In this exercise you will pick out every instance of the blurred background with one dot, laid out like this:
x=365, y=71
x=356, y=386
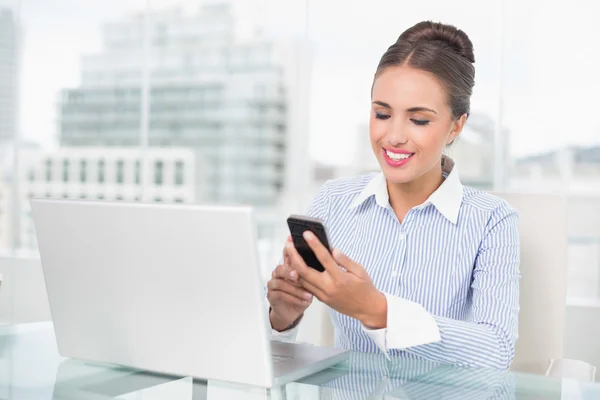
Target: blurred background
x=259, y=102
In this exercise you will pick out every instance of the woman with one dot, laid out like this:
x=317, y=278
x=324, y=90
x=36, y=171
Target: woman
x=430, y=268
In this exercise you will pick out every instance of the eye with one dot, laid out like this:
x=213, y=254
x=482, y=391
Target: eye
x=420, y=122
x=381, y=116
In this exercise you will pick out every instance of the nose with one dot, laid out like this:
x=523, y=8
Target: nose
x=397, y=135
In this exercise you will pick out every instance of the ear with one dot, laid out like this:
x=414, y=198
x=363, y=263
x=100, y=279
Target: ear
x=457, y=127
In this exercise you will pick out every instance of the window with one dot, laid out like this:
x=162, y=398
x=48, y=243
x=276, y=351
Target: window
x=138, y=172
x=158, y=173
x=101, y=165
x=120, y=173
x=48, y=170
x=83, y=171
x=65, y=170
x=179, y=173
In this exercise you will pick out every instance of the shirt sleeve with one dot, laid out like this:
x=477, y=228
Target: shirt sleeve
x=487, y=337
x=408, y=325
x=319, y=208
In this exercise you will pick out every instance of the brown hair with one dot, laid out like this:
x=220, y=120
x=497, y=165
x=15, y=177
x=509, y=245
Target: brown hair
x=444, y=51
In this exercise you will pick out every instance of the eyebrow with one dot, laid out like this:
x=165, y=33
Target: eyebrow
x=413, y=109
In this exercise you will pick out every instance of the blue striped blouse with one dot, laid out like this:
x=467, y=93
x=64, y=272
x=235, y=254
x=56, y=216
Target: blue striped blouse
x=457, y=255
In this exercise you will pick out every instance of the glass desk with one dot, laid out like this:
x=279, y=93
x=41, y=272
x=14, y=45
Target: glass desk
x=31, y=368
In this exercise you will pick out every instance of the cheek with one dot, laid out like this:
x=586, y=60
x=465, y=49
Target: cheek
x=376, y=129
x=429, y=137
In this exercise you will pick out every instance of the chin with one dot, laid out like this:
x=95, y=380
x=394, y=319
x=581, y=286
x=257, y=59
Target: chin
x=397, y=176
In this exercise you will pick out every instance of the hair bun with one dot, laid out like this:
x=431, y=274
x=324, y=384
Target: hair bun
x=428, y=31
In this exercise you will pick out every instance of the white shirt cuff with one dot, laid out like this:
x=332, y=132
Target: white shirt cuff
x=408, y=325
x=285, y=336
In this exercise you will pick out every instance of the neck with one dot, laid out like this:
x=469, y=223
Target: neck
x=404, y=196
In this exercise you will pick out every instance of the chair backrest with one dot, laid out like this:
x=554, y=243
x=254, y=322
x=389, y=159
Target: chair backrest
x=543, y=287
x=572, y=369
x=543, y=229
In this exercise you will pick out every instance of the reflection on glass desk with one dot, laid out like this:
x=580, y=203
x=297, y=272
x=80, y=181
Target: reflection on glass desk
x=31, y=368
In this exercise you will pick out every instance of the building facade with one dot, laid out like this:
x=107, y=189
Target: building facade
x=232, y=101
x=96, y=173
x=9, y=74
x=5, y=221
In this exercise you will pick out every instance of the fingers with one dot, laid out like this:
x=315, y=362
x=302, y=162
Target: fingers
x=318, y=293
x=286, y=287
x=285, y=271
x=286, y=259
x=308, y=274
x=284, y=297
x=322, y=253
x=343, y=260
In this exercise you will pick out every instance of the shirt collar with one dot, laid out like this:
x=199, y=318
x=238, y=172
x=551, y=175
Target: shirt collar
x=446, y=199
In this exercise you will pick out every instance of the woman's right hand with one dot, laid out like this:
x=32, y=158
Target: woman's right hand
x=287, y=298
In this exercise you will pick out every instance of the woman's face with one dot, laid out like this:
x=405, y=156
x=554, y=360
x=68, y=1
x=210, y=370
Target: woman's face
x=411, y=123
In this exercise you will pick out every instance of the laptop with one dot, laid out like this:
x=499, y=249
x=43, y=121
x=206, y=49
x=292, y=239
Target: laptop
x=172, y=289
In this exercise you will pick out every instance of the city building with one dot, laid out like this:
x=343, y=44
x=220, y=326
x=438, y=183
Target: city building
x=574, y=173
x=473, y=152
x=9, y=74
x=571, y=170
x=97, y=173
x=242, y=104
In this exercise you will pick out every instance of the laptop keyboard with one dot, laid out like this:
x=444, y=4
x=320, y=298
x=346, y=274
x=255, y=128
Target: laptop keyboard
x=277, y=359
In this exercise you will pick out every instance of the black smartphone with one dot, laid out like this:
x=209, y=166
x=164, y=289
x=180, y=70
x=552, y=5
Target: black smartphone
x=298, y=224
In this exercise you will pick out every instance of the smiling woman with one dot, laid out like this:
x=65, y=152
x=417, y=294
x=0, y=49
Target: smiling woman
x=430, y=267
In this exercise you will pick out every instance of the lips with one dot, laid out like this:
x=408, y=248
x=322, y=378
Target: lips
x=397, y=158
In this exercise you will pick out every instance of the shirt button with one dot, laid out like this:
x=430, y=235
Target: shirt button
x=402, y=235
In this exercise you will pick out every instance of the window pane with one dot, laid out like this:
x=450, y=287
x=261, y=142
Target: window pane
x=545, y=155
x=120, y=171
x=158, y=173
x=83, y=171
x=48, y=170
x=138, y=172
x=101, y=166
x=65, y=170
x=179, y=171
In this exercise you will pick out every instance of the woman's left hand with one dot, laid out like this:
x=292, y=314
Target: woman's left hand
x=350, y=292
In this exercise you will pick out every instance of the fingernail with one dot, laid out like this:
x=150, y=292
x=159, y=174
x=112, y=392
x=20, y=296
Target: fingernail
x=335, y=253
x=293, y=274
x=308, y=235
x=288, y=245
x=307, y=295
